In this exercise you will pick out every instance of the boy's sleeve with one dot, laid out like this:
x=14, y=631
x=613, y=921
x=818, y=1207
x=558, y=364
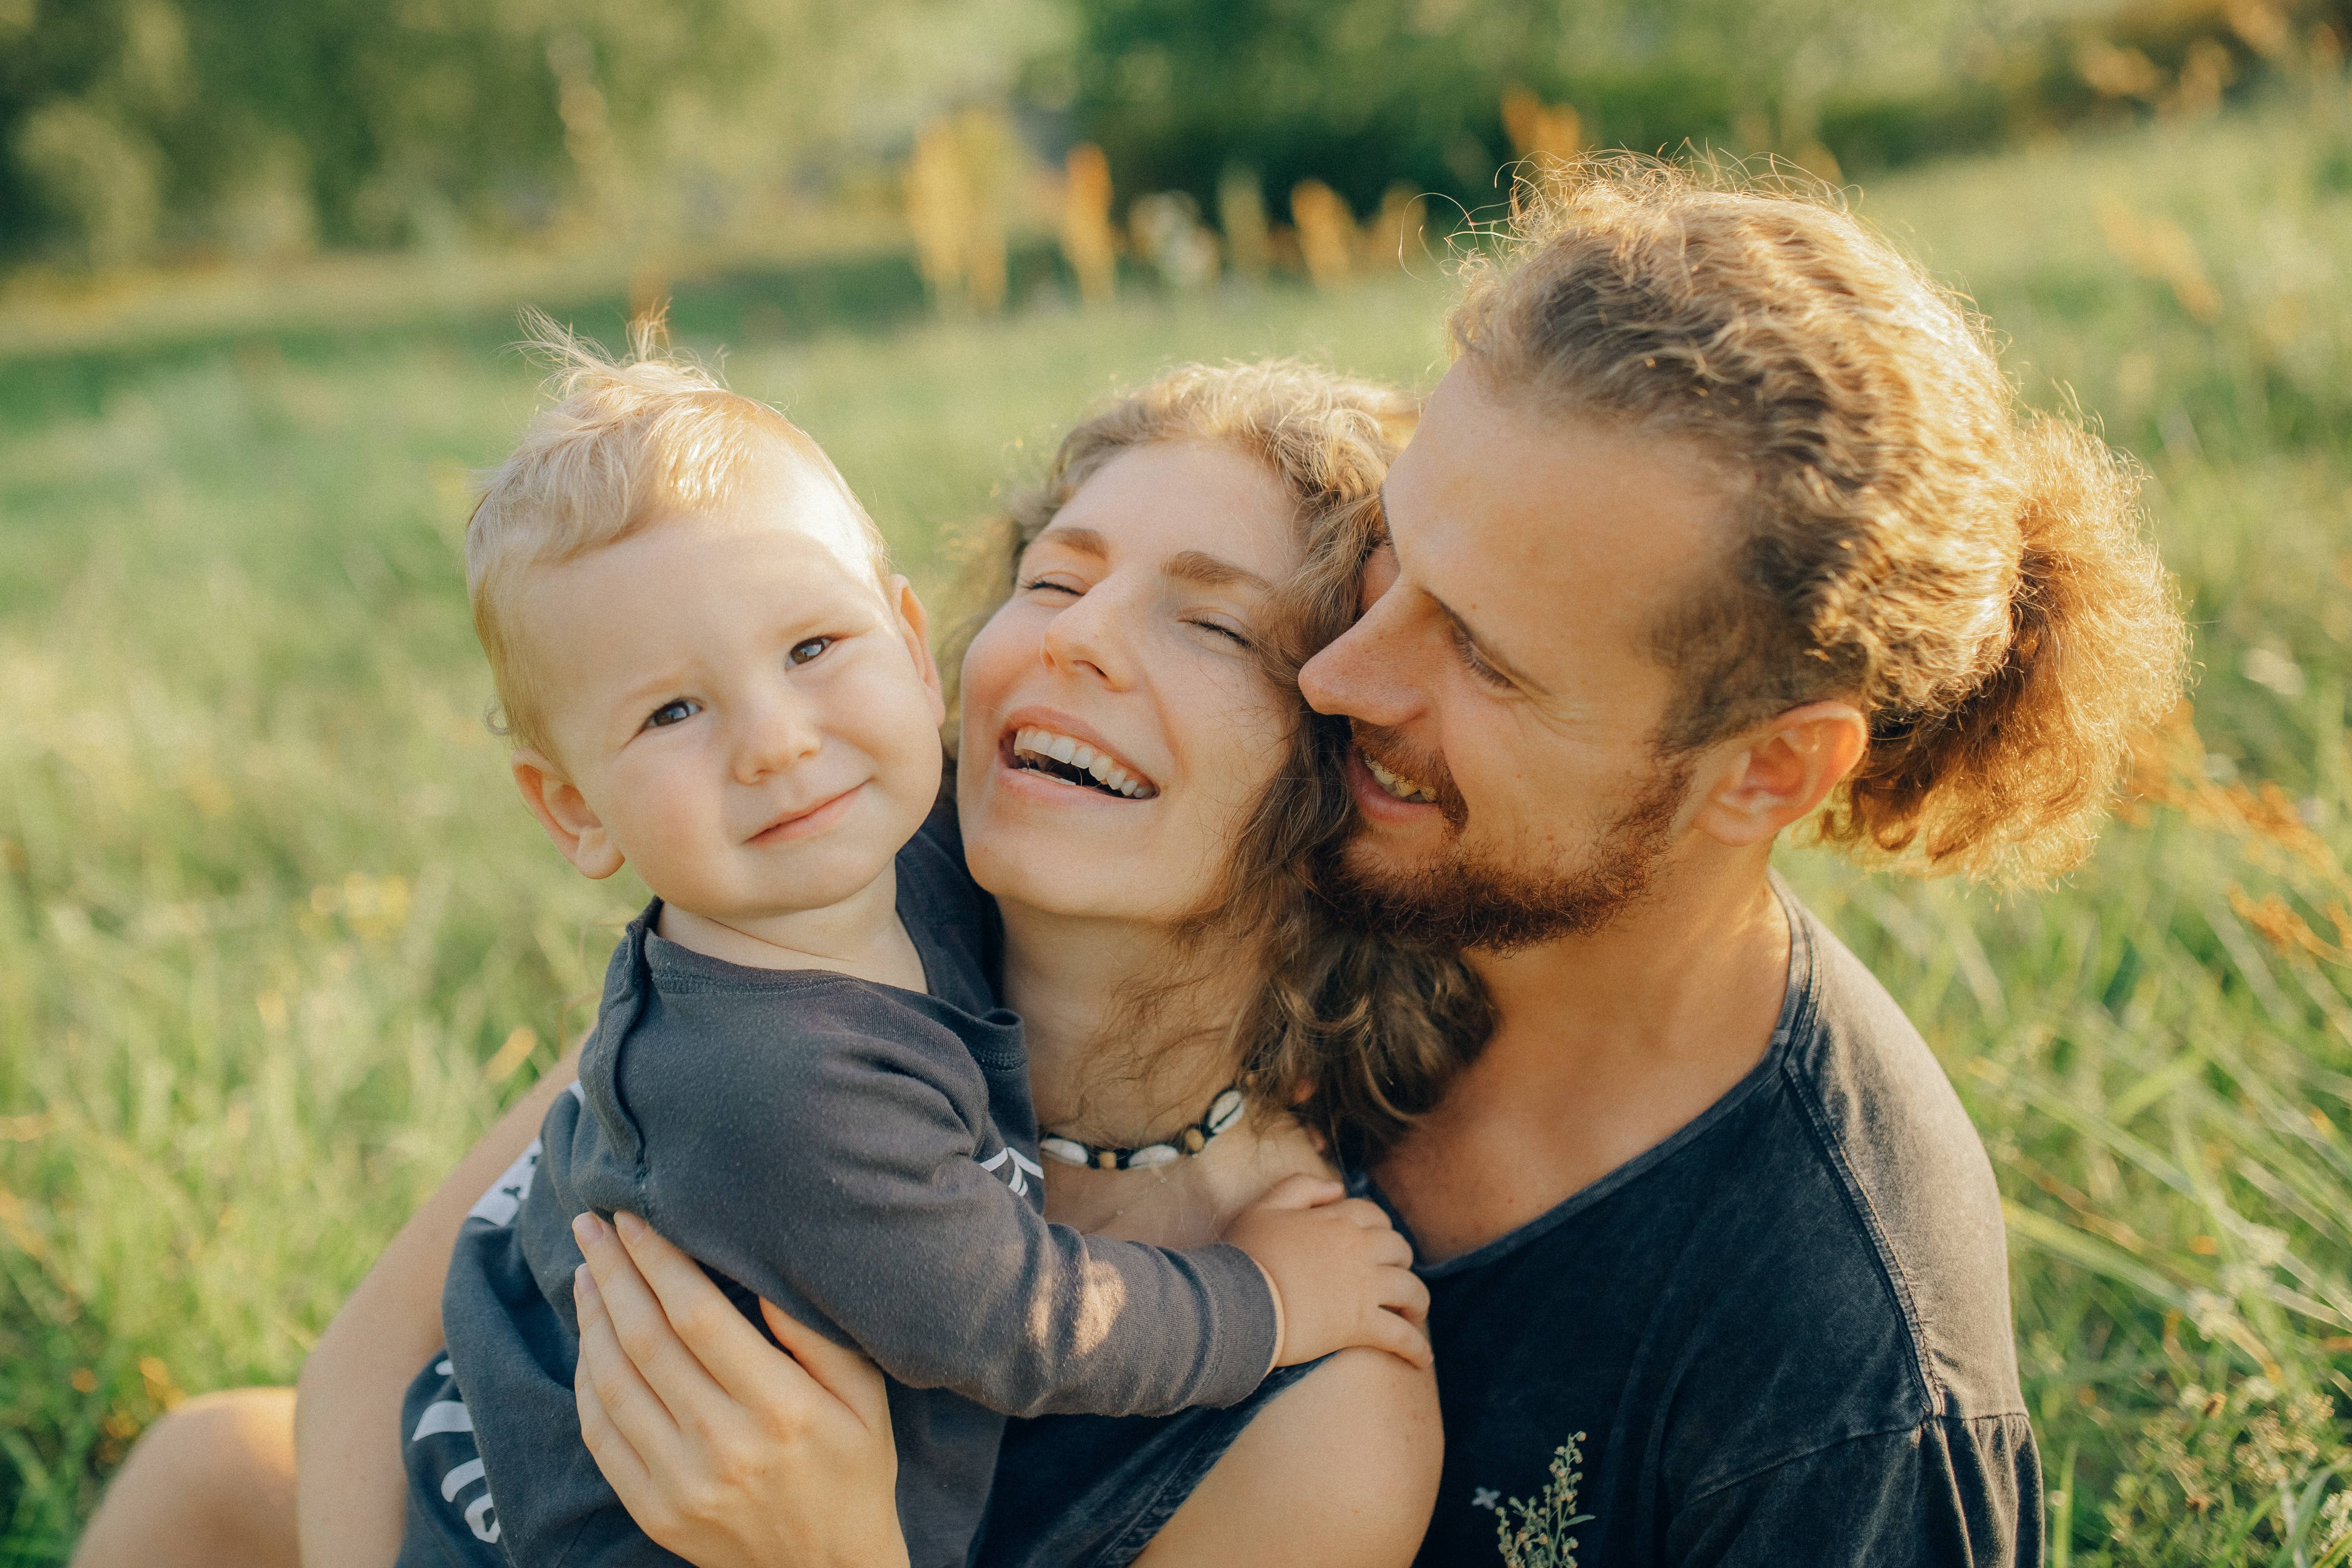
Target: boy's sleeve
x=839, y=1174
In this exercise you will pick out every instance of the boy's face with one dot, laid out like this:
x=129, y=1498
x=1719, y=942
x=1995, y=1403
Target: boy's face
x=736, y=707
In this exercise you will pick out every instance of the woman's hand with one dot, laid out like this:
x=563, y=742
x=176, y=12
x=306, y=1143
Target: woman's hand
x=725, y=1451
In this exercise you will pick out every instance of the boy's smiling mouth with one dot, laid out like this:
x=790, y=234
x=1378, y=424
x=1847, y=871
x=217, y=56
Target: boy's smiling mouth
x=1034, y=748
x=802, y=823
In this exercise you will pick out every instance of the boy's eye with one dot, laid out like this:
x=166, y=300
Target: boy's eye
x=805, y=651
x=675, y=711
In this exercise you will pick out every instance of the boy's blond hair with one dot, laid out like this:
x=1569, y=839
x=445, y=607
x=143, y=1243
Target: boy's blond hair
x=625, y=442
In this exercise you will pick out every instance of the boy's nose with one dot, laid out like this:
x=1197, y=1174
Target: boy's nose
x=773, y=737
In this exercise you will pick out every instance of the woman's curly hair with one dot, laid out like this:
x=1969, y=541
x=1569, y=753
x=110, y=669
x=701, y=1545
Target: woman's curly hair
x=1971, y=575
x=1354, y=1035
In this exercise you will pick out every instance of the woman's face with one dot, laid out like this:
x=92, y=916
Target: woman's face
x=1124, y=659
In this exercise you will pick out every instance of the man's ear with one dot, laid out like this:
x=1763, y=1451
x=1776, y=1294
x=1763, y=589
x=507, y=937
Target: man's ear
x=915, y=628
x=1779, y=773
x=571, y=821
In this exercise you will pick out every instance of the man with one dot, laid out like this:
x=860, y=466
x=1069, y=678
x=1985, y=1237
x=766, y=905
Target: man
x=1723, y=517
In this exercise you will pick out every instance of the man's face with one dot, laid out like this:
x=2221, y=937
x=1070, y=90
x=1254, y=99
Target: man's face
x=1503, y=699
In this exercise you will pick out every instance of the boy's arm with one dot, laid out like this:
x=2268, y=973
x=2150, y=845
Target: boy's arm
x=350, y=1492
x=845, y=1187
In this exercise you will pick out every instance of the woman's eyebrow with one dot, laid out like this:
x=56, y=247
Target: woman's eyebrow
x=1085, y=540
x=1207, y=571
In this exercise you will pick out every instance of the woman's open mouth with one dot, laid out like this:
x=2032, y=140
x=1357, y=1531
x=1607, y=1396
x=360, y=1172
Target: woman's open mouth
x=1075, y=763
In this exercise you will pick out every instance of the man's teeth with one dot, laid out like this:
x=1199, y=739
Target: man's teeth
x=1078, y=754
x=1398, y=784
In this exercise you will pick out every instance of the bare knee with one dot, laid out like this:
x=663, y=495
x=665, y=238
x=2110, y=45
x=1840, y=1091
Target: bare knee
x=212, y=1483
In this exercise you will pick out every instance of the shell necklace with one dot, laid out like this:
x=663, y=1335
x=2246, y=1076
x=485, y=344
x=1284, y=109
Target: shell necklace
x=1223, y=1113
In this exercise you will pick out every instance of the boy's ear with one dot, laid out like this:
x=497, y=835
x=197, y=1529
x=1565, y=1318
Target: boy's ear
x=1779, y=773
x=571, y=823
x=915, y=627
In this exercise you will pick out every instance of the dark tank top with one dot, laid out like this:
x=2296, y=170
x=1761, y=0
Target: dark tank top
x=1090, y=1491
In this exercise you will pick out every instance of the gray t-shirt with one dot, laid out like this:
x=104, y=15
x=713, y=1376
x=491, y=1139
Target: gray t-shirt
x=861, y=1155
x=1780, y=1336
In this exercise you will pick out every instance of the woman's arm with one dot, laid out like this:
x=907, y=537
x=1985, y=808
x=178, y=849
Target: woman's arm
x=732, y=1456
x=1340, y=1469
x=349, y=1497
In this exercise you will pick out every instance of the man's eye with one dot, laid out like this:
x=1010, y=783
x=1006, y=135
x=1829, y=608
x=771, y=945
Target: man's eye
x=805, y=651
x=1479, y=668
x=675, y=711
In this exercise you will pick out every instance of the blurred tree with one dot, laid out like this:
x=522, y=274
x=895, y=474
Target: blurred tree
x=130, y=126
x=1360, y=93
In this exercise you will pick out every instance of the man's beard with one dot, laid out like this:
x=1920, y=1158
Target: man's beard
x=1462, y=900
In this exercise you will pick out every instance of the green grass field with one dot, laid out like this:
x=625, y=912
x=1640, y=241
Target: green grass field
x=277, y=941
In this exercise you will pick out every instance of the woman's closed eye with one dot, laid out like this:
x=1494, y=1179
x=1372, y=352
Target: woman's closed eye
x=1238, y=637
x=676, y=711
x=1052, y=585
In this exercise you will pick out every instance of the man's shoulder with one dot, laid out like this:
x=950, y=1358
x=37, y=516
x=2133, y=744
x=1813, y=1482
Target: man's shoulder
x=1896, y=1138
x=1811, y=1273
x=1830, y=1231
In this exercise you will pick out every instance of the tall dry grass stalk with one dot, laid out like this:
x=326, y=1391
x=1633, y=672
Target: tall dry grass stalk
x=1541, y=133
x=961, y=182
x=1240, y=214
x=1089, y=242
x=1326, y=233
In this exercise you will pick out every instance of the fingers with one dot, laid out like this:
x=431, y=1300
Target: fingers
x=1403, y=1293
x=624, y=1468
x=845, y=1374
x=1392, y=1333
x=1303, y=1192
x=701, y=1322
x=609, y=1392
x=641, y=1325
x=1389, y=1248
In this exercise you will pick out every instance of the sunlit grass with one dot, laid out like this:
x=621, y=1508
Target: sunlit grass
x=275, y=941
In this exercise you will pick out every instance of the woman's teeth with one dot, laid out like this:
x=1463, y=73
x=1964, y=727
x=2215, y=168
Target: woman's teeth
x=1398, y=784
x=1035, y=749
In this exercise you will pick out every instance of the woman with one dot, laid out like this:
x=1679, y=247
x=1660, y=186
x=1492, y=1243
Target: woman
x=1191, y=545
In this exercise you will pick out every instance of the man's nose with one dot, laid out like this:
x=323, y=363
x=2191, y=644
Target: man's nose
x=1365, y=672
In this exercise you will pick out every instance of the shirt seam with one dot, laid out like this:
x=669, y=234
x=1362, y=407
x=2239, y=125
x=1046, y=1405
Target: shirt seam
x=1865, y=1213
x=1933, y=1418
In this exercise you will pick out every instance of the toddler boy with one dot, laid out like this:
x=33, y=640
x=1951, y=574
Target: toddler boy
x=799, y=1072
